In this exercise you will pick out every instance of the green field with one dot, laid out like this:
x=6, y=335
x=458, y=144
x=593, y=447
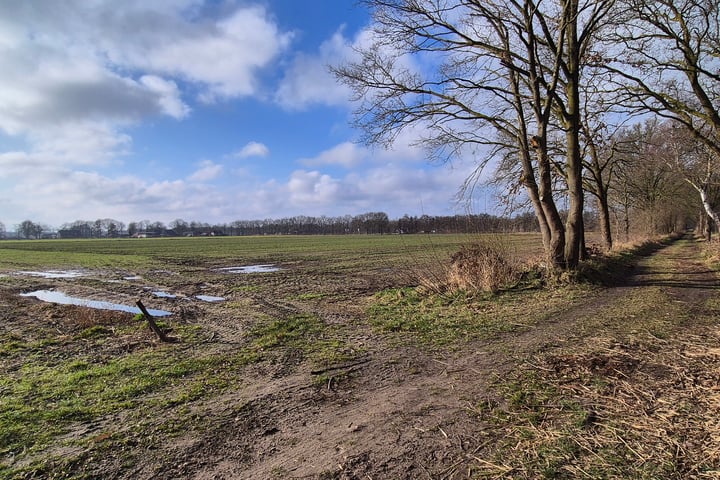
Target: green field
x=355, y=250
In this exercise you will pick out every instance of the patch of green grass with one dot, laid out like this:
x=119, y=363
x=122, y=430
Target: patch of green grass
x=10, y=344
x=247, y=288
x=537, y=422
x=304, y=334
x=328, y=379
x=293, y=331
x=39, y=402
x=194, y=389
x=432, y=318
x=333, y=252
x=95, y=331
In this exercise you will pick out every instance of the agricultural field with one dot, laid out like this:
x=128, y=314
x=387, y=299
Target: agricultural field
x=343, y=357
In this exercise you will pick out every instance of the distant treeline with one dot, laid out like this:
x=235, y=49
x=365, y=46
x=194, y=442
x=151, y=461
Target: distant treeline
x=366, y=223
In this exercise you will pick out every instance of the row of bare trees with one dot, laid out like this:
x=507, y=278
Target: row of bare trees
x=370, y=223
x=540, y=91
x=100, y=228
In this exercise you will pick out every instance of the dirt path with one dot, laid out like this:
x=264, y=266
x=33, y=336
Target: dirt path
x=410, y=414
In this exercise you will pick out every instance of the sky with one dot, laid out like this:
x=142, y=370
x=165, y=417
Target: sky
x=208, y=111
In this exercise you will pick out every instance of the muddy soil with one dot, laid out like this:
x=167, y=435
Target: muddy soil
x=396, y=409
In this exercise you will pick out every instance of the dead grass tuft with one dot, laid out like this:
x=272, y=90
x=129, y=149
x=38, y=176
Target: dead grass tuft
x=486, y=266
x=712, y=253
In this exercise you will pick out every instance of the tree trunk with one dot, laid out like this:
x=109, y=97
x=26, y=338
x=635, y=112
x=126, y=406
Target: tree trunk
x=574, y=227
x=707, y=207
x=555, y=247
x=605, y=227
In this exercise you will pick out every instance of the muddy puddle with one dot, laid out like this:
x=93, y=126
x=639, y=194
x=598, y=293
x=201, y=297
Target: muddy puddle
x=52, y=273
x=210, y=298
x=52, y=296
x=162, y=294
x=251, y=269
x=204, y=298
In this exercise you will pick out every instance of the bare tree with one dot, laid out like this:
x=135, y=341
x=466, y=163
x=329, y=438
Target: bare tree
x=670, y=67
x=647, y=184
x=694, y=162
x=180, y=226
x=501, y=72
x=29, y=229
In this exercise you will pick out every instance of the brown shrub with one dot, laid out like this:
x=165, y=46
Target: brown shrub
x=485, y=267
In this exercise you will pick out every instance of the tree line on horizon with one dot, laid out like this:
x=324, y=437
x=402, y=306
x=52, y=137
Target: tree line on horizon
x=370, y=223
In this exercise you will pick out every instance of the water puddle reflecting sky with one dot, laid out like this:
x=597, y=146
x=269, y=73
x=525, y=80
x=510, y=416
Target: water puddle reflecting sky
x=53, y=274
x=210, y=298
x=250, y=269
x=161, y=294
x=53, y=296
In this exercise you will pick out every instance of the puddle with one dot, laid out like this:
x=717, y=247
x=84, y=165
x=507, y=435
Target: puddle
x=251, y=269
x=161, y=294
x=53, y=274
x=133, y=277
x=163, y=272
x=204, y=298
x=210, y=298
x=59, y=297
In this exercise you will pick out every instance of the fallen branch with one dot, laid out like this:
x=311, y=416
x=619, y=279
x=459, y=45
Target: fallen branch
x=153, y=326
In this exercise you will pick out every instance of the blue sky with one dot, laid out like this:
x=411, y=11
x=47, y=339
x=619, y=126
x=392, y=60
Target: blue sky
x=202, y=110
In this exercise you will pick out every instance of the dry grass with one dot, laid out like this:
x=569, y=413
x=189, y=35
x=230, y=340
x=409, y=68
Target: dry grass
x=484, y=266
x=86, y=317
x=712, y=251
x=644, y=409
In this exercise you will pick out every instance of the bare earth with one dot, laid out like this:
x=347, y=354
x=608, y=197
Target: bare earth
x=641, y=359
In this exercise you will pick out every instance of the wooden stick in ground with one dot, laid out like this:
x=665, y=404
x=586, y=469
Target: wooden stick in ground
x=151, y=321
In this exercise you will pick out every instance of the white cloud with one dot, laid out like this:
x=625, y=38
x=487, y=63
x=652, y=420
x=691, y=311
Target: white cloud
x=312, y=188
x=169, y=95
x=391, y=188
x=309, y=81
x=223, y=56
x=78, y=78
x=346, y=154
x=55, y=196
x=253, y=149
x=68, y=66
x=208, y=171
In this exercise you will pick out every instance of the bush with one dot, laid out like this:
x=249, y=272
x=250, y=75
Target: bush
x=485, y=267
